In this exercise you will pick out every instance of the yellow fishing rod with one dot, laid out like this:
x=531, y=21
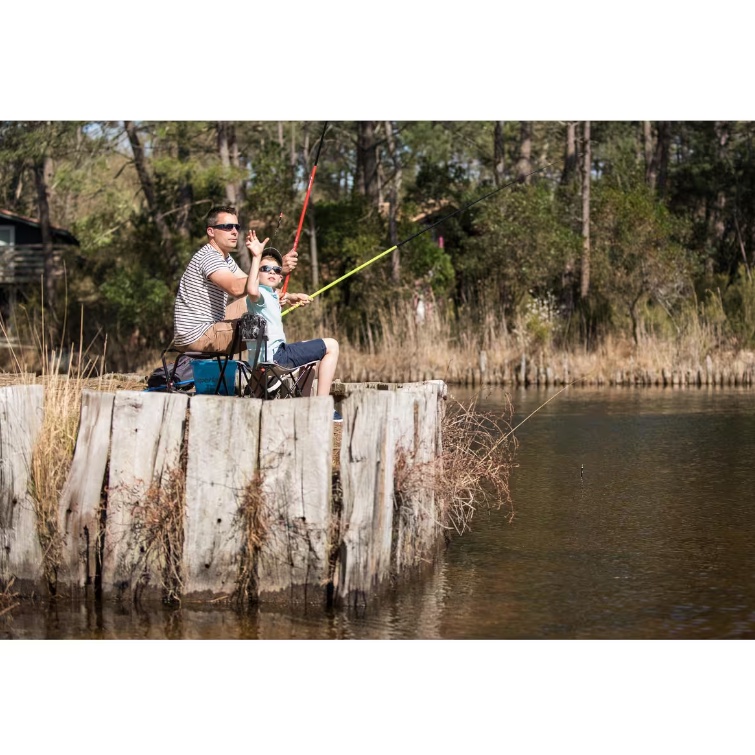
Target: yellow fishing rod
x=414, y=236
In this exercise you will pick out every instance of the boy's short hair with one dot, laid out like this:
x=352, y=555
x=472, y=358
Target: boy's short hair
x=274, y=253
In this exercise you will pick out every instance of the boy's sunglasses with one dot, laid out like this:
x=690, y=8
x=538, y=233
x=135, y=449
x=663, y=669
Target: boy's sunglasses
x=271, y=269
x=227, y=227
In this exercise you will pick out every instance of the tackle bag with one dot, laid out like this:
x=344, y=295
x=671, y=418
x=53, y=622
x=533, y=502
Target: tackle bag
x=183, y=380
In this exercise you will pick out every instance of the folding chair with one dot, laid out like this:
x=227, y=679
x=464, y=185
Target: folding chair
x=236, y=346
x=268, y=380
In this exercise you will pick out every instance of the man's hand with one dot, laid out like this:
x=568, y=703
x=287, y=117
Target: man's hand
x=254, y=245
x=290, y=260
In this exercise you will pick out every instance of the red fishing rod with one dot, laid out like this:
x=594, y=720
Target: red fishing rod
x=306, y=202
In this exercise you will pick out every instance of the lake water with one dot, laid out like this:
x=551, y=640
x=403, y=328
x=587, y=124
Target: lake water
x=634, y=519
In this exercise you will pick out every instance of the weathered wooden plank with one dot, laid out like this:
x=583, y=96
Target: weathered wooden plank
x=415, y=528
x=21, y=414
x=366, y=465
x=221, y=466
x=146, y=440
x=296, y=447
x=340, y=391
x=80, y=500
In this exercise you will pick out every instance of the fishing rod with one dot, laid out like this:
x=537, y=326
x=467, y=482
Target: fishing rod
x=419, y=233
x=306, y=202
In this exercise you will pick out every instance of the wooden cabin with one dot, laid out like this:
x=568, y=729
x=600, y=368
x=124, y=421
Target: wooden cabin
x=22, y=260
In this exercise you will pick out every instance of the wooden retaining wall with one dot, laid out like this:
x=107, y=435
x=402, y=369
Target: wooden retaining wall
x=526, y=372
x=208, y=498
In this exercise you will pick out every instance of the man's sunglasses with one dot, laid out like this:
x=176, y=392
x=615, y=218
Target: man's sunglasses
x=227, y=227
x=271, y=269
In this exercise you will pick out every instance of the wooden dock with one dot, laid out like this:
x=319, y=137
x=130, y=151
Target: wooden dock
x=208, y=499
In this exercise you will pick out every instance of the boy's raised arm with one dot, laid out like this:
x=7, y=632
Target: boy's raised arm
x=255, y=248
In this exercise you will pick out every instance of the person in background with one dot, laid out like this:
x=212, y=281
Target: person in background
x=210, y=278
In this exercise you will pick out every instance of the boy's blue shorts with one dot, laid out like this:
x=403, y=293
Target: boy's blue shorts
x=296, y=354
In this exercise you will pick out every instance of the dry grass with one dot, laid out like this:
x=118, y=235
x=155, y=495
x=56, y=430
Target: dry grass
x=471, y=473
x=474, y=468
x=252, y=519
x=395, y=347
x=159, y=518
x=64, y=373
x=8, y=598
x=53, y=454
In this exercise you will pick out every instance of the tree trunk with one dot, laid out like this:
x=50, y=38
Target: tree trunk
x=43, y=171
x=394, y=188
x=224, y=150
x=524, y=164
x=185, y=190
x=569, y=178
x=662, y=152
x=228, y=149
x=311, y=216
x=648, y=143
x=718, y=228
x=293, y=149
x=499, y=155
x=367, y=161
x=570, y=154
x=584, y=288
x=148, y=189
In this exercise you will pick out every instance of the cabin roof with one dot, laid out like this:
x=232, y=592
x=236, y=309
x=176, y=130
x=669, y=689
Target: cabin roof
x=61, y=234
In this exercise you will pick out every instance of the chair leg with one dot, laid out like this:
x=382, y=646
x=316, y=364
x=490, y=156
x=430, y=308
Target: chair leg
x=303, y=386
x=170, y=374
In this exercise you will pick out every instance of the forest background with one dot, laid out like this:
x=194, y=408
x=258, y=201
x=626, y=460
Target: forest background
x=621, y=244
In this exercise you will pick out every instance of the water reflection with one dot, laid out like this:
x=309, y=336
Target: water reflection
x=653, y=540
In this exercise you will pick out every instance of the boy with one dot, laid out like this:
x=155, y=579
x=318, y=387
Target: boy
x=265, y=277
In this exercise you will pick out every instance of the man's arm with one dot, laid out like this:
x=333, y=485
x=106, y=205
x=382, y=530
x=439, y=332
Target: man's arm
x=226, y=280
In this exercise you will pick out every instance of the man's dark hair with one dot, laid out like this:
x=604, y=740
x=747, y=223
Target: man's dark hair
x=274, y=253
x=212, y=215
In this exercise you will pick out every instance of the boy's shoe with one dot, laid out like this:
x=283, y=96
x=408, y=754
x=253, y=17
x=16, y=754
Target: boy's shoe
x=337, y=417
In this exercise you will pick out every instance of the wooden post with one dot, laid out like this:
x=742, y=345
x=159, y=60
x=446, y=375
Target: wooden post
x=146, y=441
x=415, y=430
x=222, y=461
x=367, y=459
x=21, y=411
x=79, y=507
x=296, y=449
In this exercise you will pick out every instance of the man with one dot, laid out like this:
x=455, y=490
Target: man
x=210, y=278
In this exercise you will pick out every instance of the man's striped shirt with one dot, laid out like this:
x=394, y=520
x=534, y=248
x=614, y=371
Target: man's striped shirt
x=199, y=302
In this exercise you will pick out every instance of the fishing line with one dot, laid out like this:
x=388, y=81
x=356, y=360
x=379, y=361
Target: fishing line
x=419, y=233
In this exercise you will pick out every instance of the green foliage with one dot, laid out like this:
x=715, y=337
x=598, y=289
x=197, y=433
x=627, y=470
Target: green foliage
x=520, y=244
x=636, y=250
x=739, y=306
x=137, y=299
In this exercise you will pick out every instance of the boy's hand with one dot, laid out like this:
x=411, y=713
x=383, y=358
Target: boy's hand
x=254, y=245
